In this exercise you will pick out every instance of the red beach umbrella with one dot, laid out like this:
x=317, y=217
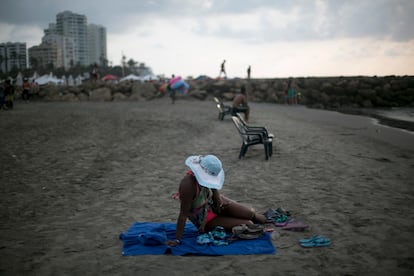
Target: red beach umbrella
x=109, y=77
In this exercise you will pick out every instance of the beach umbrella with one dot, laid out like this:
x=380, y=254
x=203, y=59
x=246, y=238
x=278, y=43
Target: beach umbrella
x=109, y=77
x=183, y=89
x=179, y=84
x=174, y=80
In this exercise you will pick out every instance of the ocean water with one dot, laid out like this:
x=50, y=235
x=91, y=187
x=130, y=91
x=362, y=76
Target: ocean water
x=400, y=113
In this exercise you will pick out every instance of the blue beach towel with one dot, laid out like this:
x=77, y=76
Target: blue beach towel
x=147, y=238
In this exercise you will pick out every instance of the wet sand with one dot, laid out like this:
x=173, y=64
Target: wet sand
x=76, y=175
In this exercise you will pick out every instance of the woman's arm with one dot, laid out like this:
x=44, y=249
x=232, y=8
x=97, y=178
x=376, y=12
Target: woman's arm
x=187, y=191
x=217, y=202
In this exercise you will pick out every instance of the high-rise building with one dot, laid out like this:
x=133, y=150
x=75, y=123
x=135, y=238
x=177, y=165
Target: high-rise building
x=74, y=26
x=71, y=41
x=46, y=55
x=13, y=56
x=97, y=44
x=66, y=44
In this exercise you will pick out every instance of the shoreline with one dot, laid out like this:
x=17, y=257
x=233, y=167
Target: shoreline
x=381, y=118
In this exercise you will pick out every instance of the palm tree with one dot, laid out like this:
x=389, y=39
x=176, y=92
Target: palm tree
x=131, y=64
x=103, y=61
x=34, y=63
x=123, y=64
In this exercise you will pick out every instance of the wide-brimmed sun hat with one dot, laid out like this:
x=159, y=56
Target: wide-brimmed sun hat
x=207, y=169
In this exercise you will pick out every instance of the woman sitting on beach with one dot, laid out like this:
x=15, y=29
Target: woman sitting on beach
x=202, y=203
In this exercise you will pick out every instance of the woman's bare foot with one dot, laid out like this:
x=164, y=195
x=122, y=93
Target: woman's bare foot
x=259, y=218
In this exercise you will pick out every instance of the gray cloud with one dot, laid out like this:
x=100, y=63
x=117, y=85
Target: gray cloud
x=318, y=19
x=332, y=19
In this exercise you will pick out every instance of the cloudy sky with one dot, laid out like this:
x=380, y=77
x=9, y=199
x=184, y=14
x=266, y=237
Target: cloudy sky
x=278, y=38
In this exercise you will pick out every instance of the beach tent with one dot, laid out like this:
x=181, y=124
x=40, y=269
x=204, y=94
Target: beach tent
x=78, y=80
x=131, y=77
x=71, y=81
x=19, y=79
x=48, y=79
x=150, y=77
x=35, y=76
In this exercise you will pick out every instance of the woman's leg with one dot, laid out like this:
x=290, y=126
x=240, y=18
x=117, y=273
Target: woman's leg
x=237, y=210
x=226, y=222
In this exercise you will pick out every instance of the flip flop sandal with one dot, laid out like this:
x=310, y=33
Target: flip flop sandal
x=281, y=210
x=281, y=224
x=282, y=218
x=311, y=239
x=295, y=225
x=318, y=242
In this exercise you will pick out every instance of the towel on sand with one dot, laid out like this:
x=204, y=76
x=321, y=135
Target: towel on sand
x=147, y=238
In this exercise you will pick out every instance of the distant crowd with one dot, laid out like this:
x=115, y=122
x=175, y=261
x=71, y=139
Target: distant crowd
x=8, y=92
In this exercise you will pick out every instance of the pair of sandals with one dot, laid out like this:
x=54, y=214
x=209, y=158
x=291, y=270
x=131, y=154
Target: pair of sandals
x=315, y=241
x=248, y=231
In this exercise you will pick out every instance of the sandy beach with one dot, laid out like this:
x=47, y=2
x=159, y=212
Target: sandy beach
x=75, y=175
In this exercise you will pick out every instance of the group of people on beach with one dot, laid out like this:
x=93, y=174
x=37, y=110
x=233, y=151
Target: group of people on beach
x=8, y=91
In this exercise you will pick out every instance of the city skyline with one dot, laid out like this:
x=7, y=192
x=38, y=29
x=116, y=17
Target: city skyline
x=276, y=38
x=67, y=42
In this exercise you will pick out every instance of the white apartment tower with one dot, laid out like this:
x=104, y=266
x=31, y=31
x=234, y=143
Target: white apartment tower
x=74, y=27
x=13, y=56
x=97, y=44
x=66, y=44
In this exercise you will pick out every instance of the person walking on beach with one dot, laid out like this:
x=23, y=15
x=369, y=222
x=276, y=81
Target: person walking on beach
x=8, y=95
x=248, y=72
x=240, y=104
x=171, y=91
x=203, y=205
x=223, y=69
x=26, y=89
x=291, y=92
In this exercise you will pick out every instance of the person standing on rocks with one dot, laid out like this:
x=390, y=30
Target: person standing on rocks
x=223, y=69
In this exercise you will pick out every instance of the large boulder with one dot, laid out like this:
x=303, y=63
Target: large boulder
x=143, y=90
x=100, y=94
